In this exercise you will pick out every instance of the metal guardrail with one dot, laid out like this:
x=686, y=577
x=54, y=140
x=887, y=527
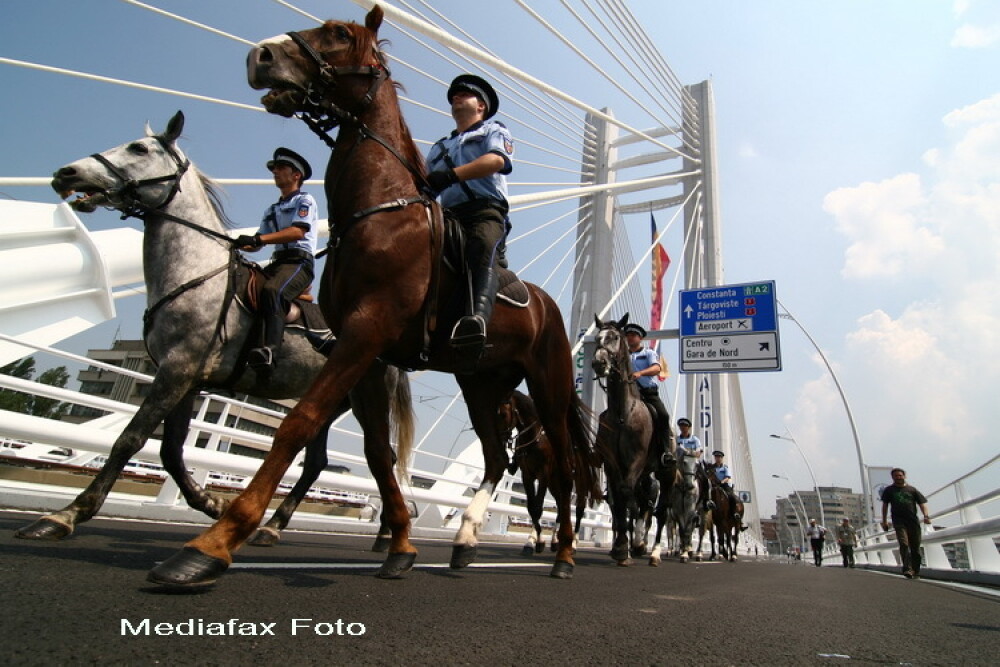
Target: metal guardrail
x=448, y=493
x=961, y=542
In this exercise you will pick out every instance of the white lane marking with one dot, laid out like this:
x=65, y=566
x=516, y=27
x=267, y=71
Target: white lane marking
x=368, y=566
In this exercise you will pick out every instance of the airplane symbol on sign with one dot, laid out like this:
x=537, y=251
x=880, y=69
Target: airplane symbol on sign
x=742, y=324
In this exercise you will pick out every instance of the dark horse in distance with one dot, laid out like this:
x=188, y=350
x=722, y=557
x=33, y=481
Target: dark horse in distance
x=384, y=293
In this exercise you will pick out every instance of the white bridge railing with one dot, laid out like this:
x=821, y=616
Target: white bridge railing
x=438, y=507
x=963, y=537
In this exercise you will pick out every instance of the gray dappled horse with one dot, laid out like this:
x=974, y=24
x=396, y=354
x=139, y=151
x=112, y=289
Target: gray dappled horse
x=195, y=330
x=625, y=442
x=684, y=501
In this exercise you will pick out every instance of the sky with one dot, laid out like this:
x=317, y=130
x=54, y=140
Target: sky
x=858, y=164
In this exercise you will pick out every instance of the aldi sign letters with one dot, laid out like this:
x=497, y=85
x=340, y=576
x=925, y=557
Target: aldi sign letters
x=729, y=328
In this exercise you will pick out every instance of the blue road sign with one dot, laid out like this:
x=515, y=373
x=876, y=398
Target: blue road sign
x=729, y=328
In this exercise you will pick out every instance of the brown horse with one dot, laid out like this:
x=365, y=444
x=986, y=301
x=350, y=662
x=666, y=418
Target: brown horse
x=727, y=526
x=386, y=296
x=532, y=455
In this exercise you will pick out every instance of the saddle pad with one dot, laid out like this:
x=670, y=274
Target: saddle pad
x=512, y=290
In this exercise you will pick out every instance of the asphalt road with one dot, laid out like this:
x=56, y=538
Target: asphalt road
x=313, y=599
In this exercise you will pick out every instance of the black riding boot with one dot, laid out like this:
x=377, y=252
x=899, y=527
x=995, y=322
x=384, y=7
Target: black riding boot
x=470, y=331
x=273, y=331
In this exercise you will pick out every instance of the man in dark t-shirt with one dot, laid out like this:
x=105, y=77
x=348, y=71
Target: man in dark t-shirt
x=904, y=500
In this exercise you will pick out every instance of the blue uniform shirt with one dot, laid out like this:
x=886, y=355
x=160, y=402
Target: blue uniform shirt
x=690, y=443
x=457, y=149
x=298, y=210
x=641, y=360
x=722, y=472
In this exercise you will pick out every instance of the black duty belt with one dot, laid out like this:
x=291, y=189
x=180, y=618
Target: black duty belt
x=290, y=254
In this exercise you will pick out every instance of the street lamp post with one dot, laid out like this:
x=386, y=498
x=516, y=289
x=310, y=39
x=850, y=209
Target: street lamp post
x=801, y=520
x=819, y=499
x=865, y=487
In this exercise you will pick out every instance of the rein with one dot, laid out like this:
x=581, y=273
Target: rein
x=134, y=207
x=321, y=115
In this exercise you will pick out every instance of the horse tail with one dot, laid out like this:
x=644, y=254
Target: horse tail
x=587, y=462
x=401, y=416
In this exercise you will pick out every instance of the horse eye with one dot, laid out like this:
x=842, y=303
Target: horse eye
x=343, y=33
x=138, y=147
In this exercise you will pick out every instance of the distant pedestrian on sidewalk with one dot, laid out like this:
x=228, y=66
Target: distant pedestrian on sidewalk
x=816, y=535
x=847, y=539
x=904, y=500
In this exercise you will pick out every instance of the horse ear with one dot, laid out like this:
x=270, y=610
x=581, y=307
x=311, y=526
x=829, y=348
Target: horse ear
x=174, y=127
x=598, y=321
x=623, y=321
x=374, y=19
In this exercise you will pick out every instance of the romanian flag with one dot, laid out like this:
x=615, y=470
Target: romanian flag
x=661, y=261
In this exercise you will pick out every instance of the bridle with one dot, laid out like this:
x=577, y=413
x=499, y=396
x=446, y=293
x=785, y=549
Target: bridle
x=328, y=115
x=132, y=206
x=127, y=189
x=613, y=368
x=322, y=115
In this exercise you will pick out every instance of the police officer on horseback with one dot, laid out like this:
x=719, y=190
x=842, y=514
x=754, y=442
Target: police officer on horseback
x=645, y=370
x=290, y=225
x=468, y=170
x=724, y=480
x=689, y=444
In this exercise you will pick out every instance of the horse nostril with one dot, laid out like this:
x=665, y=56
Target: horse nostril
x=65, y=172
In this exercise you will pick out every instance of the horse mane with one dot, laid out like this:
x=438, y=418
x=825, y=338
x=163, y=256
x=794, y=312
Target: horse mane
x=215, y=195
x=363, y=43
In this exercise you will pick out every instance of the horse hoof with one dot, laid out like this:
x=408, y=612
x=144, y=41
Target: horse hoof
x=540, y=547
x=265, y=537
x=625, y=562
x=561, y=570
x=45, y=528
x=684, y=559
x=553, y=546
x=639, y=552
x=381, y=544
x=528, y=551
x=188, y=568
x=396, y=565
x=654, y=562
x=462, y=555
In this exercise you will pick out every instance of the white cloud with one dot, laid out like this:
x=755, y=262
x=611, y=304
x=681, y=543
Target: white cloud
x=927, y=245
x=969, y=36
x=747, y=150
x=886, y=225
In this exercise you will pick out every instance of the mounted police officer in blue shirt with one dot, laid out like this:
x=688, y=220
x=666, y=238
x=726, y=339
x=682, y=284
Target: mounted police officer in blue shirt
x=290, y=225
x=468, y=170
x=645, y=370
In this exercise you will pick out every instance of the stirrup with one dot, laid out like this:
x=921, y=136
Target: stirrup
x=261, y=356
x=470, y=331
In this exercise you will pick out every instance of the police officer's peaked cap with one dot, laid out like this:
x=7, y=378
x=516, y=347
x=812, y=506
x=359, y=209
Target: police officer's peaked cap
x=718, y=453
x=478, y=87
x=291, y=158
x=632, y=327
x=683, y=421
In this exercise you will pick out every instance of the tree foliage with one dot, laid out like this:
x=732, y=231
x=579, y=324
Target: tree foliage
x=29, y=404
